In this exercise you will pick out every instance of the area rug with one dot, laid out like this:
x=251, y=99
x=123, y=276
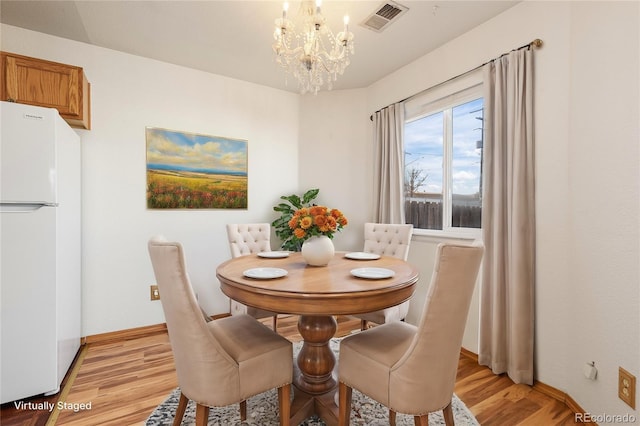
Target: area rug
x=262, y=410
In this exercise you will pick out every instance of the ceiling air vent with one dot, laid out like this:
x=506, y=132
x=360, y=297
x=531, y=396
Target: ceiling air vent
x=387, y=13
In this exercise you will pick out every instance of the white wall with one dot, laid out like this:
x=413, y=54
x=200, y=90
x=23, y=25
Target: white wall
x=127, y=94
x=604, y=197
x=335, y=157
x=587, y=182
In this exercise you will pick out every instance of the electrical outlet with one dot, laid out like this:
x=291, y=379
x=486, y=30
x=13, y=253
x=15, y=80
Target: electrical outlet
x=155, y=293
x=627, y=387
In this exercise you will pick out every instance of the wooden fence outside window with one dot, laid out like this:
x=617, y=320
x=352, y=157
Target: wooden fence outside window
x=428, y=215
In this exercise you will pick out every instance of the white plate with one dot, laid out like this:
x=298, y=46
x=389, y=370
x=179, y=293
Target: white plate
x=265, y=273
x=372, y=273
x=360, y=255
x=274, y=254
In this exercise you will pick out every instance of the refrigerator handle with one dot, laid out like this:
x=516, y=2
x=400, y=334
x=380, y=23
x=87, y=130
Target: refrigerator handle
x=23, y=207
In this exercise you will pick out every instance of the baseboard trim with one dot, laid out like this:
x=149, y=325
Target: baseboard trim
x=131, y=333
x=134, y=333
x=69, y=380
x=545, y=389
x=563, y=397
x=577, y=409
x=550, y=391
x=467, y=353
x=218, y=316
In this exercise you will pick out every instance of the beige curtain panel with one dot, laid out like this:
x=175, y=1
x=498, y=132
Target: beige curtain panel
x=388, y=176
x=508, y=221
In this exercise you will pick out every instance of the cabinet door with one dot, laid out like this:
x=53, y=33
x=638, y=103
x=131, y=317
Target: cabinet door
x=49, y=84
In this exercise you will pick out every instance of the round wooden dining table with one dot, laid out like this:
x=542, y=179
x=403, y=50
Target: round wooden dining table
x=316, y=293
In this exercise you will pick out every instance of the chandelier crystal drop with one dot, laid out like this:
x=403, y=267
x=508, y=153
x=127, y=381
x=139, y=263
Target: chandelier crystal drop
x=309, y=50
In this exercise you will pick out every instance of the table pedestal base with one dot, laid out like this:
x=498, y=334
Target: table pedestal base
x=305, y=405
x=314, y=380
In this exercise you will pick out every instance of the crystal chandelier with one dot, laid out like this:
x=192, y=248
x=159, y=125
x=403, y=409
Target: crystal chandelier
x=310, y=51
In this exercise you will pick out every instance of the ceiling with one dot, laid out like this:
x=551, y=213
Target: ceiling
x=233, y=38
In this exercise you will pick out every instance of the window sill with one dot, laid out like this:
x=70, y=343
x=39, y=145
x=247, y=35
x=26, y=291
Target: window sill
x=431, y=235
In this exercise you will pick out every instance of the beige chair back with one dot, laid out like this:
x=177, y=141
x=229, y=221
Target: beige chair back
x=248, y=238
x=198, y=356
x=388, y=239
x=427, y=370
x=244, y=239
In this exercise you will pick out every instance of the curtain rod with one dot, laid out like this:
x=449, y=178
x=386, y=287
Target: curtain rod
x=535, y=43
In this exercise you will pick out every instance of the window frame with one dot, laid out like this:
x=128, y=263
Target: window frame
x=443, y=98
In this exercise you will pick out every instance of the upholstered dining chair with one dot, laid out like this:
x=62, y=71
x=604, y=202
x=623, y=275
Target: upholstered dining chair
x=386, y=240
x=411, y=369
x=221, y=362
x=244, y=239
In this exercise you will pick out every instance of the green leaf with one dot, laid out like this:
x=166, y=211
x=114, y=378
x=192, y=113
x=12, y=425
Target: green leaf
x=310, y=195
x=294, y=200
x=277, y=223
x=281, y=224
x=283, y=208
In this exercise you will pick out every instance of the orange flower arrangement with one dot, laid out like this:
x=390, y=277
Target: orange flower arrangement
x=315, y=221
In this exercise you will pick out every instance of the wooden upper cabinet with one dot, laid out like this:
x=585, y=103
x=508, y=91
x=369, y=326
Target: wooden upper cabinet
x=49, y=84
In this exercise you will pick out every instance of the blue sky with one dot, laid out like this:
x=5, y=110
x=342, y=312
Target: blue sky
x=423, y=146
x=194, y=151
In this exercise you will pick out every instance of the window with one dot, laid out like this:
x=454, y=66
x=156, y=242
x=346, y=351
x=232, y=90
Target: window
x=443, y=140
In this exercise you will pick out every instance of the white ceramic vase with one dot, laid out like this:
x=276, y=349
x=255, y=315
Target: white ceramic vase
x=318, y=250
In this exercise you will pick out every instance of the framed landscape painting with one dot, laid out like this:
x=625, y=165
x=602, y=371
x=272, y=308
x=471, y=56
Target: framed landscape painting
x=193, y=171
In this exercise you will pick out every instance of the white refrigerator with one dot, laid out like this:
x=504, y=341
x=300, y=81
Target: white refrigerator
x=40, y=260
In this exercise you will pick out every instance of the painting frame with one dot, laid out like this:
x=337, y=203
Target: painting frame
x=194, y=171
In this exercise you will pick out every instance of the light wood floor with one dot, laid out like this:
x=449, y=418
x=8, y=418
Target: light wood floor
x=124, y=381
